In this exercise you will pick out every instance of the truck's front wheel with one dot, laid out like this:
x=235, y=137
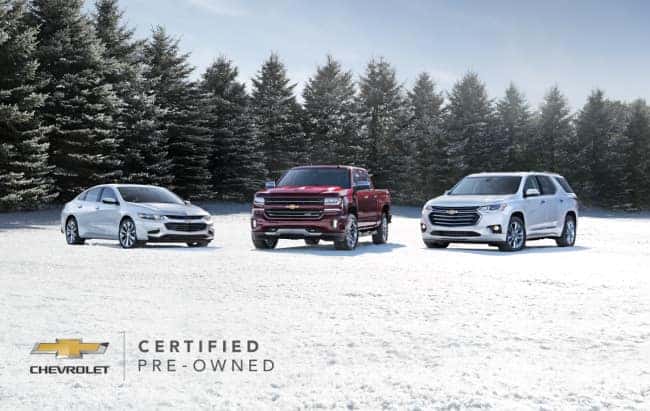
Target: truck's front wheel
x=349, y=242
x=265, y=243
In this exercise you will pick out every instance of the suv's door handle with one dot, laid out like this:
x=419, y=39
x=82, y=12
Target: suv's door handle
x=97, y=208
x=543, y=201
x=561, y=200
x=79, y=206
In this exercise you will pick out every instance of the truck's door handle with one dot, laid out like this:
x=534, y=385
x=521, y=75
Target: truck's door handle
x=365, y=196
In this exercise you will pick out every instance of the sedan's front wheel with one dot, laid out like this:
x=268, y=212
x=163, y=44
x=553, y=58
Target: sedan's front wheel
x=127, y=234
x=72, y=232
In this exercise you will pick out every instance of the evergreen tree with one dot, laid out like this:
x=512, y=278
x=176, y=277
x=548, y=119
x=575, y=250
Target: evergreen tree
x=331, y=112
x=277, y=117
x=236, y=156
x=514, y=130
x=554, y=139
x=388, y=152
x=24, y=172
x=143, y=145
x=470, y=127
x=425, y=130
x=183, y=119
x=79, y=104
x=637, y=156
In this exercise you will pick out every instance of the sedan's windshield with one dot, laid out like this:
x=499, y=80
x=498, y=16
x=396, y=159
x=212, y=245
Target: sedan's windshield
x=316, y=177
x=488, y=185
x=148, y=195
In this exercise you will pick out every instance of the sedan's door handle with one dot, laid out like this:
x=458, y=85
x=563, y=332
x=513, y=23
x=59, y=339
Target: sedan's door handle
x=543, y=201
x=97, y=208
x=79, y=206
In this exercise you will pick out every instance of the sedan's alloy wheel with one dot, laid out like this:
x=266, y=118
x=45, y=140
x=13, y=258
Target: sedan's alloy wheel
x=71, y=231
x=127, y=234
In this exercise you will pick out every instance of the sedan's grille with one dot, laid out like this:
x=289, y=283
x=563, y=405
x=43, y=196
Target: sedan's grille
x=298, y=201
x=186, y=227
x=287, y=214
x=454, y=216
x=184, y=217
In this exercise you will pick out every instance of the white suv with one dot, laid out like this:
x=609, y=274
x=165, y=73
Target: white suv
x=504, y=210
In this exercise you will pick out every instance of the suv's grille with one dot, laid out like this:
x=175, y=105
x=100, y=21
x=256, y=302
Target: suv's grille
x=187, y=227
x=184, y=217
x=454, y=216
x=299, y=201
x=293, y=214
x=455, y=233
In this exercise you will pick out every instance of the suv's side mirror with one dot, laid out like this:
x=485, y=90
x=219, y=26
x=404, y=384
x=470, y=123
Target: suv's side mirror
x=269, y=184
x=109, y=200
x=532, y=192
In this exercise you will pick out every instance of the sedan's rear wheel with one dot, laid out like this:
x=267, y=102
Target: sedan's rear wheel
x=72, y=232
x=127, y=234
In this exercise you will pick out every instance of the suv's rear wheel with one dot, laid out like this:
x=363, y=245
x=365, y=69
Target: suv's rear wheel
x=568, y=238
x=72, y=232
x=265, y=243
x=312, y=241
x=381, y=235
x=436, y=244
x=516, y=235
x=351, y=238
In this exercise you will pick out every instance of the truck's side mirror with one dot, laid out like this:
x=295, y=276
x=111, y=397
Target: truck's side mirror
x=362, y=185
x=269, y=184
x=532, y=192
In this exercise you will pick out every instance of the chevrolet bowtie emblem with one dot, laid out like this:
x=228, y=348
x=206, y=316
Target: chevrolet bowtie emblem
x=70, y=348
x=452, y=212
x=292, y=206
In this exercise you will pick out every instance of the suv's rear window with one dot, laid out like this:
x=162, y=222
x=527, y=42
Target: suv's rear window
x=488, y=185
x=564, y=184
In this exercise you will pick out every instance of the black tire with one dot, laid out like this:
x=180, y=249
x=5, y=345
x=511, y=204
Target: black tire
x=312, y=241
x=72, y=232
x=515, y=235
x=198, y=244
x=569, y=233
x=265, y=243
x=436, y=244
x=127, y=234
x=351, y=238
x=381, y=235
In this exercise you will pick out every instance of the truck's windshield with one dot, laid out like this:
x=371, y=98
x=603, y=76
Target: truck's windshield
x=316, y=177
x=488, y=185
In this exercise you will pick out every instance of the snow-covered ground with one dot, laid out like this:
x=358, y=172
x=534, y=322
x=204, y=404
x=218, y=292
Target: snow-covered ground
x=396, y=326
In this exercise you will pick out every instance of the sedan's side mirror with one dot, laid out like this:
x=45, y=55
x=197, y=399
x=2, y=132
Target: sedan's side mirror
x=187, y=202
x=532, y=192
x=109, y=200
x=447, y=192
x=269, y=184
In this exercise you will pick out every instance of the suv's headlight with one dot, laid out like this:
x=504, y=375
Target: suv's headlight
x=258, y=200
x=147, y=216
x=207, y=218
x=492, y=207
x=332, y=201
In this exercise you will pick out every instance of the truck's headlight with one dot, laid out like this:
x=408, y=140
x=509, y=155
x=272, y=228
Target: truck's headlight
x=147, y=216
x=332, y=201
x=492, y=207
x=258, y=200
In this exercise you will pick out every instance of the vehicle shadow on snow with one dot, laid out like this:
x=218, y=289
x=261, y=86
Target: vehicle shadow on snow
x=156, y=246
x=493, y=251
x=328, y=249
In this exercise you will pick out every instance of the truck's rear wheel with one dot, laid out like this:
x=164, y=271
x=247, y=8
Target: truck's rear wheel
x=351, y=238
x=381, y=236
x=265, y=243
x=312, y=241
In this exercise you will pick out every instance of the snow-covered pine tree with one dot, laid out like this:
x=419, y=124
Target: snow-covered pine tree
x=384, y=117
x=143, y=149
x=277, y=117
x=183, y=115
x=514, y=130
x=79, y=104
x=637, y=157
x=331, y=115
x=470, y=127
x=425, y=130
x=236, y=156
x=24, y=172
x=553, y=147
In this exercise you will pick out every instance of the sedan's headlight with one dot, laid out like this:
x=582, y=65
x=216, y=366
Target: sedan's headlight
x=258, y=200
x=207, y=218
x=332, y=201
x=492, y=208
x=147, y=216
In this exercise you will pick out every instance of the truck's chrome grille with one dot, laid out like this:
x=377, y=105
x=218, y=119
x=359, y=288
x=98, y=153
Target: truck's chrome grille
x=454, y=216
x=186, y=227
x=298, y=214
x=297, y=201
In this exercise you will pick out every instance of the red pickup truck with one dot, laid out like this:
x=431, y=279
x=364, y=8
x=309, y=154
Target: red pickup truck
x=313, y=203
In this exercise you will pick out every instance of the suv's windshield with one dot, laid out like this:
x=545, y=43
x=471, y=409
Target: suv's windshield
x=148, y=195
x=316, y=177
x=488, y=185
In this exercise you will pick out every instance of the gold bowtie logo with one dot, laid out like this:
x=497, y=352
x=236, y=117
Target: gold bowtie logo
x=70, y=348
x=292, y=206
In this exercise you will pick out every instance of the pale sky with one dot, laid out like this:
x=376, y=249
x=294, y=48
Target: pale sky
x=578, y=45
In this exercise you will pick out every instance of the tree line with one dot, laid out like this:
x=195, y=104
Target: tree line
x=83, y=102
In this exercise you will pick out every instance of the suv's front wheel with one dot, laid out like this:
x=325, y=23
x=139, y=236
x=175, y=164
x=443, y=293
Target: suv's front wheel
x=516, y=235
x=568, y=237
